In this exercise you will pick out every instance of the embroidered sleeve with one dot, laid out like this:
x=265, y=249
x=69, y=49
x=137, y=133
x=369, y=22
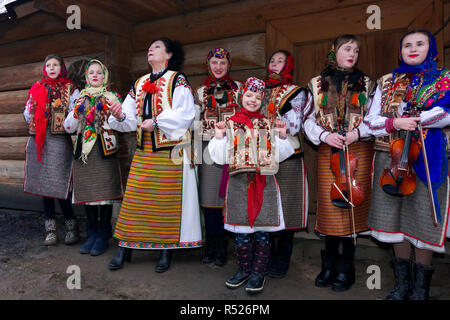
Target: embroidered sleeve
x=182, y=81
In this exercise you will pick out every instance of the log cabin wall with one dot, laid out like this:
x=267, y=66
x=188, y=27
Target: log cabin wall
x=250, y=29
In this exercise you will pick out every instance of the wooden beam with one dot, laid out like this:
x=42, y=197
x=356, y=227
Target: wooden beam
x=447, y=58
x=315, y=27
x=92, y=17
x=12, y=171
x=13, y=148
x=13, y=101
x=118, y=57
x=65, y=44
x=447, y=26
x=13, y=125
x=23, y=76
x=233, y=19
x=275, y=40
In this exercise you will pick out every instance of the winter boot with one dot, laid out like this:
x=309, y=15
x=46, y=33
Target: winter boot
x=221, y=250
x=328, y=272
x=164, y=261
x=123, y=254
x=50, y=229
x=255, y=283
x=104, y=231
x=402, y=272
x=243, y=259
x=280, y=267
x=210, y=249
x=345, y=275
x=72, y=234
x=422, y=281
x=91, y=226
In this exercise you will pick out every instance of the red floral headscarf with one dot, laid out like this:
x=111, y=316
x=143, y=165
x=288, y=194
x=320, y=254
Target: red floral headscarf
x=220, y=53
x=286, y=74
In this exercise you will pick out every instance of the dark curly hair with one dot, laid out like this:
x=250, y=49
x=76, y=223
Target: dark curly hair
x=176, y=49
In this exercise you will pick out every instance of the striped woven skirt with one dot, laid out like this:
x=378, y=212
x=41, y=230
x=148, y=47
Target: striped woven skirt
x=160, y=208
x=330, y=219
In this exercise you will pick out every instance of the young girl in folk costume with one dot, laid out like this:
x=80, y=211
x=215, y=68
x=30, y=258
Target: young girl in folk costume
x=96, y=172
x=340, y=98
x=160, y=208
x=416, y=92
x=283, y=98
x=48, y=166
x=252, y=203
x=217, y=101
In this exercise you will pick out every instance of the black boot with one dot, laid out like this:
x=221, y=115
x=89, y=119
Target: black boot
x=164, y=260
x=255, y=283
x=280, y=267
x=221, y=250
x=210, y=248
x=402, y=272
x=123, y=254
x=422, y=280
x=243, y=259
x=345, y=275
x=328, y=272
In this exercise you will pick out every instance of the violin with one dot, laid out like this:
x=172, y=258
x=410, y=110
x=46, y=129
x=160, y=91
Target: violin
x=400, y=180
x=346, y=191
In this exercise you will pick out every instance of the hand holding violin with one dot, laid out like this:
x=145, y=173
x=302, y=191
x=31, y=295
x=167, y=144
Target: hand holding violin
x=335, y=140
x=408, y=124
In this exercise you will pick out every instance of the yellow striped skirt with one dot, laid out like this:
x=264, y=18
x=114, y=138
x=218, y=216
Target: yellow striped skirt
x=332, y=220
x=150, y=216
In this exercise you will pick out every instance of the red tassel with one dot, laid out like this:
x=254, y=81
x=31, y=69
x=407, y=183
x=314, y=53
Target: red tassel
x=355, y=99
x=271, y=108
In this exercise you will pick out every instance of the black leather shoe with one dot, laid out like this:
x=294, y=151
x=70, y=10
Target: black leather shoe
x=123, y=254
x=164, y=261
x=345, y=277
x=238, y=279
x=255, y=283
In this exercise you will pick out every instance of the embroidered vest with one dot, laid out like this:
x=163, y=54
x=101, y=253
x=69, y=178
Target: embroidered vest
x=327, y=115
x=161, y=100
x=214, y=110
x=251, y=154
x=56, y=109
x=278, y=96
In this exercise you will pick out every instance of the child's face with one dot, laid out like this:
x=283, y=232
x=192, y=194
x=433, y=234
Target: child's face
x=95, y=75
x=52, y=68
x=251, y=100
x=277, y=62
x=218, y=66
x=347, y=54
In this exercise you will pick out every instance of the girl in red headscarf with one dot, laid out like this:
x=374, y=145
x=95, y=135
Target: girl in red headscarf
x=252, y=148
x=48, y=165
x=216, y=101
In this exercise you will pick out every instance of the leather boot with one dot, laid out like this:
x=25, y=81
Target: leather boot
x=91, y=226
x=210, y=248
x=255, y=283
x=328, y=272
x=123, y=254
x=164, y=260
x=72, y=234
x=243, y=255
x=221, y=250
x=345, y=275
x=104, y=231
x=50, y=229
x=402, y=272
x=280, y=267
x=422, y=281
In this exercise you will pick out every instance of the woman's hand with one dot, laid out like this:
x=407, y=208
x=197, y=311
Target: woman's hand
x=219, y=129
x=351, y=137
x=335, y=140
x=280, y=127
x=147, y=125
x=116, y=109
x=409, y=124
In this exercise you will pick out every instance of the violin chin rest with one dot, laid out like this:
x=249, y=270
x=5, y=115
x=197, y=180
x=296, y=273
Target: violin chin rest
x=392, y=190
x=341, y=203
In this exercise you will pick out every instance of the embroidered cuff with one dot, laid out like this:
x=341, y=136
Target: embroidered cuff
x=155, y=123
x=124, y=116
x=320, y=136
x=359, y=133
x=389, y=124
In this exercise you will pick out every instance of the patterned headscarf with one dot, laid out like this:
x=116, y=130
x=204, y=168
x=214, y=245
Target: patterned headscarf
x=220, y=53
x=243, y=115
x=286, y=74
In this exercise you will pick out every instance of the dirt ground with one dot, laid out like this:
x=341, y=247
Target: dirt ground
x=31, y=271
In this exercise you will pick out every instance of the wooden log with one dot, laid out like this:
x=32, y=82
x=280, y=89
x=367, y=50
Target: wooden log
x=12, y=171
x=35, y=25
x=229, y=20
x=394, y=15
x=67, y=44
x=13, y=125
x=447, y=58
x=275, y=40
x=447, y=27
x=25, y=75
x=118, y=56
x=13, y=101
x=246, y=52
x=13, y=148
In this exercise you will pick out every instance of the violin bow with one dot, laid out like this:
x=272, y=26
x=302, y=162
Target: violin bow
x=350, y=194
x=427, y=170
